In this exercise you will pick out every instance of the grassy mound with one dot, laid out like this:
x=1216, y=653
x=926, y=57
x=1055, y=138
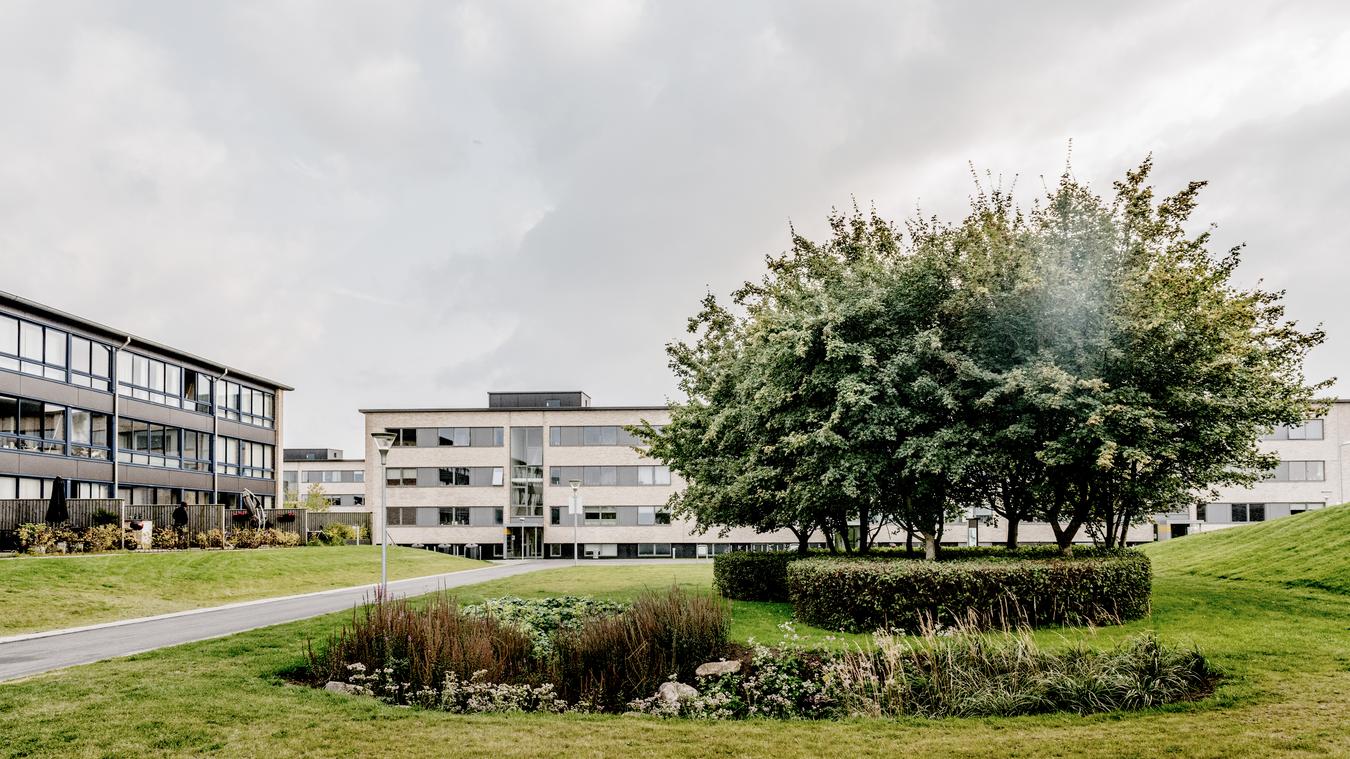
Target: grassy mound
x=1309, y=550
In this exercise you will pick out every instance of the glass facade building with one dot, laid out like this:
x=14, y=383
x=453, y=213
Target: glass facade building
x=115, y=415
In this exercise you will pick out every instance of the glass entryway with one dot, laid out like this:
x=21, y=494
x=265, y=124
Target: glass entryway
x=524, y=542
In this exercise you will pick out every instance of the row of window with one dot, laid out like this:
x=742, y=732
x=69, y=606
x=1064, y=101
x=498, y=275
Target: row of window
x=1254, y=512
x=245, y=458
x=609, y=475
x=443, y=476
x=28, y=425
x=239, y=403
x=48, y=352
x=326, y=476
x=406, y=516
x=1313, y=429
x=593, y=435
x=646, y=515
x=439, y=437
x=151, y=444
x=37, y=487
x=459, y=437
x=164, y=383
x=1298, y=471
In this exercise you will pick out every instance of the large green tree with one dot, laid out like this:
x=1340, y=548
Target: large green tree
x=1086, y=363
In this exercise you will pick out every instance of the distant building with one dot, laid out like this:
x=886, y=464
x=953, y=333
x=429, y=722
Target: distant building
x=116, y=415
x=343, y=480
x=494, y=482
x=1311, y=475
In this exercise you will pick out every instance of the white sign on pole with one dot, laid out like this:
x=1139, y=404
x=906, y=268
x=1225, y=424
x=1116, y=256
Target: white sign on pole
x=574, y=504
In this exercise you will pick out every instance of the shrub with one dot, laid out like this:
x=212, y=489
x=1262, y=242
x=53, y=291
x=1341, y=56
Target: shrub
x=419, y=647
x=872, y=594
x=102, y=517
x=609, y=661
x=335, y=534
x=36, y=537
x=254, y=537
x=762, y=576
x=209, y=539
x=104, y=537
x=752, y=576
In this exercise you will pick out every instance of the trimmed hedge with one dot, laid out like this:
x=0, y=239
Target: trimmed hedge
x=871, y=594
x=762, y=575
x=753, y=576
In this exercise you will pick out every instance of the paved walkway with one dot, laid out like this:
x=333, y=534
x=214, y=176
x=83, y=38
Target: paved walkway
x=24, y=655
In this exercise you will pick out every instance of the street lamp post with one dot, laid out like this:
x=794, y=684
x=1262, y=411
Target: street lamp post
x=575, y=509
x=383, y=442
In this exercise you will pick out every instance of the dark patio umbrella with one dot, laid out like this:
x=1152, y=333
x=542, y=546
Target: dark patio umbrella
x=57, y=513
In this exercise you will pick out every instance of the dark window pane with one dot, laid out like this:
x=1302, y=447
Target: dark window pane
x=590, y=436
x=571, y=436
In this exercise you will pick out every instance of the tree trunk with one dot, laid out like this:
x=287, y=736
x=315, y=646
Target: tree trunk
x=864, y=527
x=930, y=546
x=1011, y=543
x=909, y=541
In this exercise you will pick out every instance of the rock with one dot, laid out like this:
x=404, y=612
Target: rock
x=674, y=693
x=715, y=668
x=346, y=689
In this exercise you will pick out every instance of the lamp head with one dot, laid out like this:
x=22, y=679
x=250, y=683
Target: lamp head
x=574, y=483
x=383, y=442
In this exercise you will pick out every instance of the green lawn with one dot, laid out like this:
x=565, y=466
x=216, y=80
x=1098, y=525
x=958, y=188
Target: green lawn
x=41, y=593
x=1286, y=652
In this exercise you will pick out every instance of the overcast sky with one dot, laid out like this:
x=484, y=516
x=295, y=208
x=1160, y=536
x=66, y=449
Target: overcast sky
x=408, y=204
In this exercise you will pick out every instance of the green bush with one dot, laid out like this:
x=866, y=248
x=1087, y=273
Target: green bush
x=752, y=576
x=762, y=576
x=873, y=594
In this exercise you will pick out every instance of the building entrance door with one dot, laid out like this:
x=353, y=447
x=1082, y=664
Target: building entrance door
x=525, y=542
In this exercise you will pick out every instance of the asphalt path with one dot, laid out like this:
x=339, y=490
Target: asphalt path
x=26, y=655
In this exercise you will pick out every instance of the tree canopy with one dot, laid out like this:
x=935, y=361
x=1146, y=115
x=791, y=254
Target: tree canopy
x=1086, y=362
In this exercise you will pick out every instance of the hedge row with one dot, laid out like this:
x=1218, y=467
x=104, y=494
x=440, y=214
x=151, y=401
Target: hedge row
x=762, y=576
x=757, y=576
x=870, y=594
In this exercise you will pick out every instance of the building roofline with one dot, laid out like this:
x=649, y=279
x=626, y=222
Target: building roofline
x=123, y=336
x=499, y=409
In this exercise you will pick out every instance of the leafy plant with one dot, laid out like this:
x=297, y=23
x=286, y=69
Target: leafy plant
x=543, y=618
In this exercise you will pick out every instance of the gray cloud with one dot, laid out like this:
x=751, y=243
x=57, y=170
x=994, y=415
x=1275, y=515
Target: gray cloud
x=412, y=203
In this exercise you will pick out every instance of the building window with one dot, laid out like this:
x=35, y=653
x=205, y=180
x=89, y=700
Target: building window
x=651, y=515
x=33, y=349
x=648, y=550
x=240, y=403
x=447, y=437
x=400, y=477
x=1298, y=471
x=164, y=383
x=28, y=425
x=610, y=475
x=1312, y=429
x=563, y=435
x=456, y=476
x=555, y=550
x=244, y=458
x=1249, y=512
x=601, y=515
x=1200, y=512
x=555, y=515
x=458, y=515
x=497, y=516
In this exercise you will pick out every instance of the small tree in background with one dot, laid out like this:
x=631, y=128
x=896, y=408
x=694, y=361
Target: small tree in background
x=315, y=498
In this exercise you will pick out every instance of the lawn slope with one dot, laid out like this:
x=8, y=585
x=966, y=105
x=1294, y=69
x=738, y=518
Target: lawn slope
x=1310, y=550
x=46, y=593
x=1283, y=648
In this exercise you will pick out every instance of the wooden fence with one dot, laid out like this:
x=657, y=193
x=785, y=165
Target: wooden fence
x=85, y=513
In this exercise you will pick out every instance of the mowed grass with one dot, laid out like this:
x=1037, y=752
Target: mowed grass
x=45, y=593
x=1286, y=653
x=1311, y=550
